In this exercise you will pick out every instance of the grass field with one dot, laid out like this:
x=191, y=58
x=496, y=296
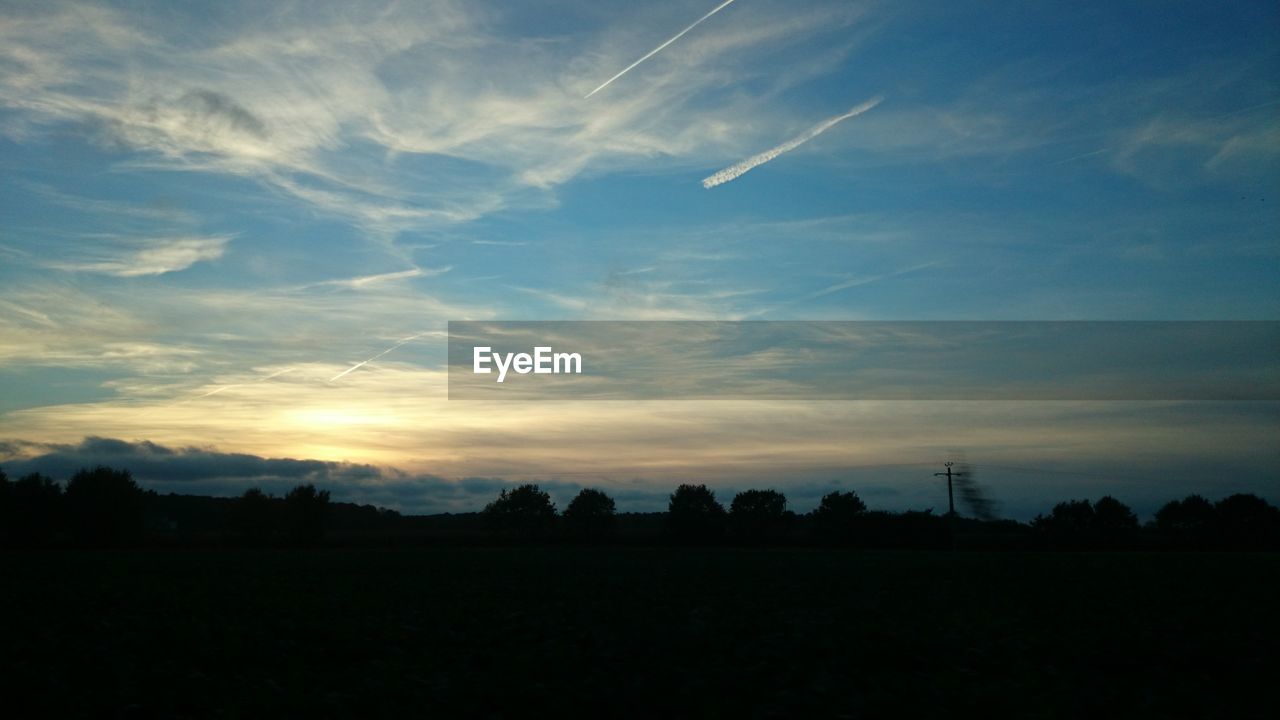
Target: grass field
x=495, y=632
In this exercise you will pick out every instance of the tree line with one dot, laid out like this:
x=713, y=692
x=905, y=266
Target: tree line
x=755, y=516
x=103, y=506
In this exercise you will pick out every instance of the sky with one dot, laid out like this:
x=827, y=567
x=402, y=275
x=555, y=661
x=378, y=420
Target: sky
x=213, y=212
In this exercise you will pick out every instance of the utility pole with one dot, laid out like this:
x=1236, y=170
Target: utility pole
x=951, y=499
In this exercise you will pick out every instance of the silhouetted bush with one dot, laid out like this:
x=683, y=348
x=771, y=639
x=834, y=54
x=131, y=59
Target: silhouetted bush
x=836, y=517
x=104, y=507
x=525, y=511
x=921, y=529
x=350, y=517
x=591, y=516
x=694, y=515
x=758, y=515
x=307, y=510
x=913, y=529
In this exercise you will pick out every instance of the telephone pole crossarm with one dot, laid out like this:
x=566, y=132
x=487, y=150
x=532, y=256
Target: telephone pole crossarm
x=951, y=500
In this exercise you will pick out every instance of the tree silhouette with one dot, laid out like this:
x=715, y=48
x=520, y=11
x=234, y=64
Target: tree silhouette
x=1113, y=522
x=1246, y=520
x=104, y=506
x=757, y=515
x=1067, y=524
x=1069, y=516
x=254, y=516
x=32, y=512
x=1079, y=522
x=1111, y=514
x=37, y=507
x=591, y=515
x=1189, y=521
x=307, y=510
x=525, y=510
x=6, y=506
x=694, y=514
x=837, y=515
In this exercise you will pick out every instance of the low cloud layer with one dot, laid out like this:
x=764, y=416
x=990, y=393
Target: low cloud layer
x=206, y=471
x=153, y=463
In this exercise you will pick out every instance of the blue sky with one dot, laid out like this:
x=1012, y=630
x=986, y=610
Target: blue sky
x=211, y=209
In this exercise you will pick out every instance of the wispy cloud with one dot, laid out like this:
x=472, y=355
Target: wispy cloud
x=147, y=331
x=660, y=48
x=735, y=171
x=330, y=109
x=151, y=256
x=112, y=209
x=501, y=243
x=634, y=296
x=119, y=239
x=362, y=281
x=1171, y=150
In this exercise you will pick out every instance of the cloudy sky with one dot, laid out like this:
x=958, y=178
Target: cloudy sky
x=212, y=210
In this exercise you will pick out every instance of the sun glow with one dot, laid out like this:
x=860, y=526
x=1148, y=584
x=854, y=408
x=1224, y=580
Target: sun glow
x=332, y=418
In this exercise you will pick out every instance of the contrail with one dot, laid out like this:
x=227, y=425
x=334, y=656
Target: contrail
x=217, y=390
x=362, y=363
x=734, y=171
x=658, y=49
x=1082, y=156
x=858, y=282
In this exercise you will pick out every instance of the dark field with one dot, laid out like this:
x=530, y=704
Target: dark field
x=494, y=632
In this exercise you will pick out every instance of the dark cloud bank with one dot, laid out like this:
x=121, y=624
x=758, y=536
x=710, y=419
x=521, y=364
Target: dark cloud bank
x=206, y=471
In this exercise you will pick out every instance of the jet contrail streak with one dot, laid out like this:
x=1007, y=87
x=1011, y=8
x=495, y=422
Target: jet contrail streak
x=859, y=282
x=658, y=49
x=1082, y=156
x=362, y=363
x=734, y=171
x=217, y=390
